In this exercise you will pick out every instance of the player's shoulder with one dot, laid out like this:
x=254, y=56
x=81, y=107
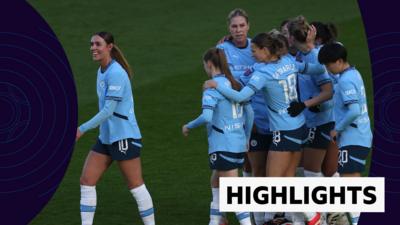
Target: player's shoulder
x=117, y=71
x=222, y=80
x=351, y=74
x=210, y=93
x=224, y=45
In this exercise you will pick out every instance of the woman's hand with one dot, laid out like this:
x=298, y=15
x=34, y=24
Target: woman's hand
x=78, y=134
x=210, y=84
x=185, y=130
x=311, y=34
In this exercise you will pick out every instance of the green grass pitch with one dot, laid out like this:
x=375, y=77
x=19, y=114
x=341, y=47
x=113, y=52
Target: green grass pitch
x=164, y=42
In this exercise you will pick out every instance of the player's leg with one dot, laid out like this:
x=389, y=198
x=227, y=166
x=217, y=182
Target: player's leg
x=258, y=160
x=246, y=169
x=257, y=154
x=352, y=160
x=127, y=154
x=312, y=163
x=95, y=165
x=316, y=149
x=295, y=159
x=226, y=164
x=330, y=163
x=285, y=152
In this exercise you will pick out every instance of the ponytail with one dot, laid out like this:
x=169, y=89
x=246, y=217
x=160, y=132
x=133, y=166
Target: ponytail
x=225, y=70
x=119, y=57
x=218, y=59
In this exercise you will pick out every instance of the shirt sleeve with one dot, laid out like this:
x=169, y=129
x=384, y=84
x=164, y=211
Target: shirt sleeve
x=205, y=117
x=322, y=79
x=209, y=101
x=257, y=81
x=352, y=113
x=249, y=120
x=101, y=116
x=243, y=95
x=348, y=92
x=310, y=68
x=115, y=87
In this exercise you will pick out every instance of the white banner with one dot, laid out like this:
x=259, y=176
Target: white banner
x=302, y=194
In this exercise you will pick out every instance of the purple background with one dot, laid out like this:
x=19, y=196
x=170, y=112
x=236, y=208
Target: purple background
x=38, y=113
x=383, y=32
x=38, y=110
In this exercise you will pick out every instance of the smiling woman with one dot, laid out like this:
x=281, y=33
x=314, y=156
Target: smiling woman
x=119, y=138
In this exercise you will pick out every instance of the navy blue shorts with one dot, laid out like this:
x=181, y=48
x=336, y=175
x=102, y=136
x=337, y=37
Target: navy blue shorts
x=352, y=159
x=260, y=142
x=319, y=137
x=289, y=140
x=226, y=160
x=120, y=150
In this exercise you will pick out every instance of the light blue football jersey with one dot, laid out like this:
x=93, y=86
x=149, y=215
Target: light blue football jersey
x=309, y=87
x=278, y=82
x=240, y=61
x=226, y=131
x=114, y=84
x=351, y=90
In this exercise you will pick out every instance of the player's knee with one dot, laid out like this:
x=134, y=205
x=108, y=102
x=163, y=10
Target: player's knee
x=328, y=172
x=259, y=171
x=135, y=183
x=85, y=180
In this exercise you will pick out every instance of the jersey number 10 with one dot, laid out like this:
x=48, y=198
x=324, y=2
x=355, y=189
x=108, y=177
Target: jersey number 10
x=289, y=88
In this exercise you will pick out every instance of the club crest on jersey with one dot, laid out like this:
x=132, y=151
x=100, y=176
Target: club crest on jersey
x=248, y=71
x=298, y=58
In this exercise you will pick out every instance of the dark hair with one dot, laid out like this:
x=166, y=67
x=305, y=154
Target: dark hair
x=116, y=53
x=237, y=12
x=274, y=41
x=332, y=52
x=298, y=28
x=283, y=23
x=327, y=32
x=218, y=59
